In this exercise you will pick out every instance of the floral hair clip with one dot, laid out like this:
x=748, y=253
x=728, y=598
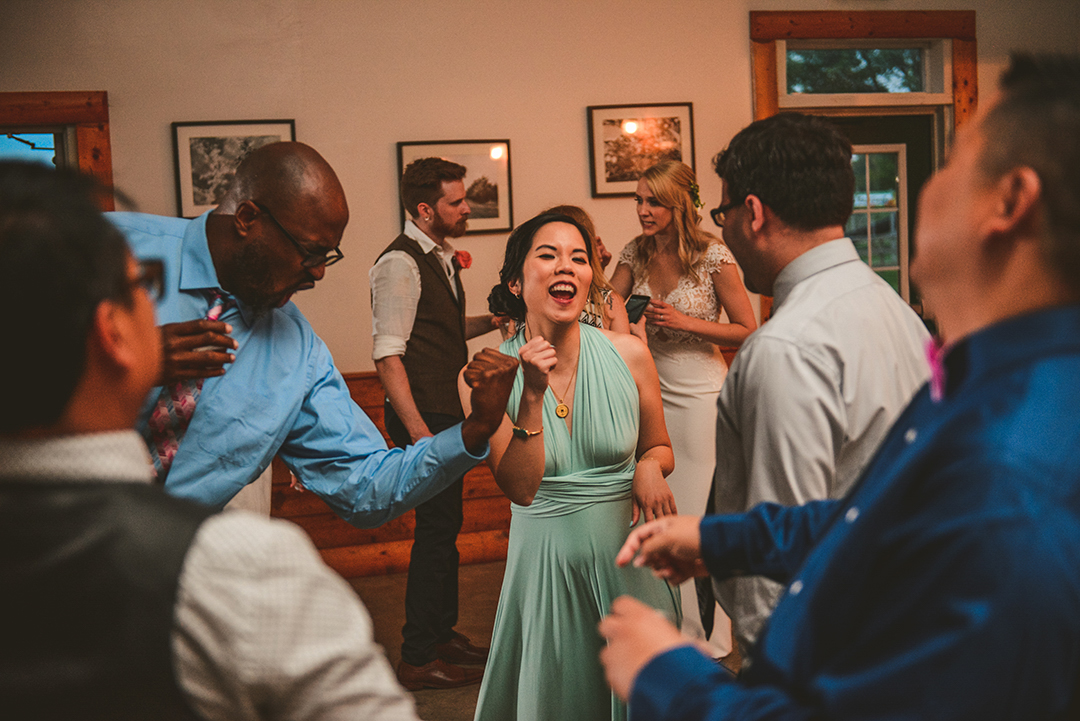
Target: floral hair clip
x=695, y=195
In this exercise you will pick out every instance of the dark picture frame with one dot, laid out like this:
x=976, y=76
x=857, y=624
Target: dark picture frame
x=206, y=153
x=626, y=140
x=487, y=182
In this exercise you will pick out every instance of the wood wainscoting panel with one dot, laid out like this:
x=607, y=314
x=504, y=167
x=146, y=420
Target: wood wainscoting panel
x=355, y=551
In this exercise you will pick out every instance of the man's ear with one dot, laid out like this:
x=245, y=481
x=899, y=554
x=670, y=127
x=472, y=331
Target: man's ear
x=424, y=212
x=244, y=217
x=757, y=212
x=1016, y=207
x=112, y=333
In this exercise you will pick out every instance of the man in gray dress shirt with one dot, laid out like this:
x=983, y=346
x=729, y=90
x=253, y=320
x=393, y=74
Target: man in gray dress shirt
x=119, y=601
x=810, y=394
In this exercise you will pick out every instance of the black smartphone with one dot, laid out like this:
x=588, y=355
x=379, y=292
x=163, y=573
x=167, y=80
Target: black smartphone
x=635, y=306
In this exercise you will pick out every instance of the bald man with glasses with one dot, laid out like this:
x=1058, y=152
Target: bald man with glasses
x=246, y=378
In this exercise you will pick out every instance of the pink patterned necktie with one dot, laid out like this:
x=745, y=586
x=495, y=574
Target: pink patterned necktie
x=175, y=405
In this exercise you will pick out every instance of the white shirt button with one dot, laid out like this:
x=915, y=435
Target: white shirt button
x=796, y=588
x=851, y=515
x=910, y=436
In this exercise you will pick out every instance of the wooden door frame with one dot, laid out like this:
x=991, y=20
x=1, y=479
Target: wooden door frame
x=86, y=111
x=769, y=26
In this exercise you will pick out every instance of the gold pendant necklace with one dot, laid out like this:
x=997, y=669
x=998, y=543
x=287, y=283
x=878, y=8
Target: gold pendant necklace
x=562, y=410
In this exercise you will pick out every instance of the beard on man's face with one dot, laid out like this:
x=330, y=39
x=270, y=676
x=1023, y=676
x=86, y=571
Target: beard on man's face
x=253, y=280
x=448, y=230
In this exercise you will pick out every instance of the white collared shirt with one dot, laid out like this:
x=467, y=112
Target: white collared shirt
x=262, y=627
x=810, y=396
x=395, y=292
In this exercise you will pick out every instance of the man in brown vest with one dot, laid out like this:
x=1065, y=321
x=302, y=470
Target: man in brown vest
x=420, y=329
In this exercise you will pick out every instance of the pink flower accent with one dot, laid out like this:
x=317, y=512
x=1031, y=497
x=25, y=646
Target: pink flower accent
x=935, y=356
x=463, y=259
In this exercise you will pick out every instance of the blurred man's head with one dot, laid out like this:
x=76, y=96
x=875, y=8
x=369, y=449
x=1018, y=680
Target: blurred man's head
x=73, y=303
x=1008, y=198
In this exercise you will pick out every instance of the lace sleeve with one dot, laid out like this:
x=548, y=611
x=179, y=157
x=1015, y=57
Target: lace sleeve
x=628, y=252
x=716, y=256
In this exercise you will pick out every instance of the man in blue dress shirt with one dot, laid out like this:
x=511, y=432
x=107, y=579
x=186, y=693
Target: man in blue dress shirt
x=270, y=385
x=946, y=583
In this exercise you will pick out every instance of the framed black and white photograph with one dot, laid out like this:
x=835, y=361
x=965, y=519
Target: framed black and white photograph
x=627, y=140
x=206, y=155
x=487, y=182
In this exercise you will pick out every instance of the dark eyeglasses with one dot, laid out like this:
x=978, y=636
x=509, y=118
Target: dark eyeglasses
x=311, y=260
x=717, y=214
x=151, y=278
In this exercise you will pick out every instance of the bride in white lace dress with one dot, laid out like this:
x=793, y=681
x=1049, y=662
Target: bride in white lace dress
x=690, y=276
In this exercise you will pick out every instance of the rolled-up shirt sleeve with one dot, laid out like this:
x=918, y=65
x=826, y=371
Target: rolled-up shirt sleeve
x=395, y=293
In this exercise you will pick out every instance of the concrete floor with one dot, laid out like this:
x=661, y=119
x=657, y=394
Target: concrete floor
x=478, y=590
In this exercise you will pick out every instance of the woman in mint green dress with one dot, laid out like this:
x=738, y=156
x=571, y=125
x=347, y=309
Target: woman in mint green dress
x=582, y=455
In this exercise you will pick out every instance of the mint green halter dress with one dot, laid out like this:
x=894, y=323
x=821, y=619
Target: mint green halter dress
x=560, y=567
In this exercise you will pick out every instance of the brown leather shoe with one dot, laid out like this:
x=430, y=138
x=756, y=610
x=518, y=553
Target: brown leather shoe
x=460, y=651
x=437, y=674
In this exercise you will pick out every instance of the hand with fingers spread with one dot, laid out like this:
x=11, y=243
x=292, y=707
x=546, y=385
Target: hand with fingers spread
x=635, y=634
x=195, y=349
x=671, y=546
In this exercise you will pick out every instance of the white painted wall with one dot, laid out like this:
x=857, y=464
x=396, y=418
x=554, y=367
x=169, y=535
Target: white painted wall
x=359, y=76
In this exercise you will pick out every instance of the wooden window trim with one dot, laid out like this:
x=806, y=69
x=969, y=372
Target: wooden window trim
x=766, y=27
x=86, y=111
x=769, y=26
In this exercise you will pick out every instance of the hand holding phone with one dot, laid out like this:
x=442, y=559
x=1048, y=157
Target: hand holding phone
x=635, y=306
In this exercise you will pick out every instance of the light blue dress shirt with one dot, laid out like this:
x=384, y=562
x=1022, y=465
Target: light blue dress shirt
x=944, y=585
x=283, y=395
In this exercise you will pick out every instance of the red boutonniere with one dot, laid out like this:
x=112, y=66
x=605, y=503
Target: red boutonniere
x=463, y=259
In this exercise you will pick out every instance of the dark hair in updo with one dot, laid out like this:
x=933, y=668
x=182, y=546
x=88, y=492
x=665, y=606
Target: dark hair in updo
x=501, y=301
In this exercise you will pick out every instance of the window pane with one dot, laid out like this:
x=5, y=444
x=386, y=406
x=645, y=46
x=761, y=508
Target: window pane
x=892, y=277
x=884, y=180
x=858, y=164
x=855, y=70
x=36, y=147
x=856, y=230
x=884, y=240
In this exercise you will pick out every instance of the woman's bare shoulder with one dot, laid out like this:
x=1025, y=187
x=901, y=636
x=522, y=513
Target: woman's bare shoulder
x=632, y=349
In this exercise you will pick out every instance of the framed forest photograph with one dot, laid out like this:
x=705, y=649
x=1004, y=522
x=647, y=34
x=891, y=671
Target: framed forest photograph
x=487, y=182
x=627, y=140
x=206, y=155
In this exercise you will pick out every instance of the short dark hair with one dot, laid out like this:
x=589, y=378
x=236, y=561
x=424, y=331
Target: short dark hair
x=59, y=258
x=422, y=181
x=1036, y=124
x=501, y=301
x=798, y=165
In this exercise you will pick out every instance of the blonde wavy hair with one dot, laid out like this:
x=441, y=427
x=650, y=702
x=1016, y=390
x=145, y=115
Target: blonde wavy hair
x=675, y=187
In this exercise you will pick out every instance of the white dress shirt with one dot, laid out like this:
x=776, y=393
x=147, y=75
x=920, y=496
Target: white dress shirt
x=810, y=395
x=263, y=629
x=395, y=292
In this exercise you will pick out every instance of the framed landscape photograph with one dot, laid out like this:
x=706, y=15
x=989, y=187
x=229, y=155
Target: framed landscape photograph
x=206, y=155
x=627, y=140
x=487, y=182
